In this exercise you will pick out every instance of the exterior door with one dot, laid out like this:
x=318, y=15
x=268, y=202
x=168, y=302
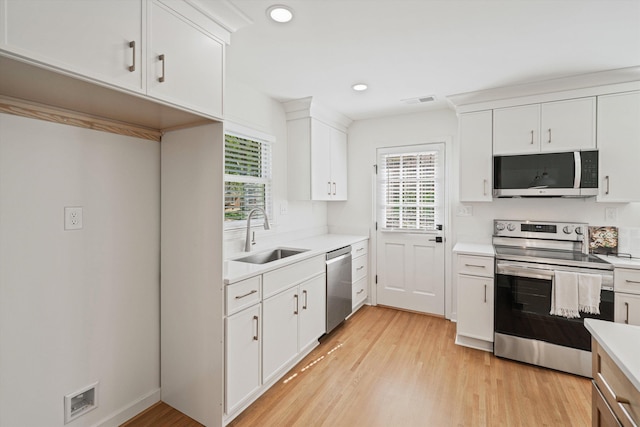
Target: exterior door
x=410, y=215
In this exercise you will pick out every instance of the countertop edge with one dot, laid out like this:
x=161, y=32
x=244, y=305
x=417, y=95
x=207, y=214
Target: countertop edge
x=479, y=249
x=602, y=332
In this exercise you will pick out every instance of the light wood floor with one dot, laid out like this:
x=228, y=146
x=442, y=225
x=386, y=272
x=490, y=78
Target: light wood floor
x=385, y=367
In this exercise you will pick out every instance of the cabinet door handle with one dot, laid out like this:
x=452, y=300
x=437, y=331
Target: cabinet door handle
x=485, y=293
x=632, y=281
x=549, y=141
x=626, y=306
x=161, y=59
x=607, y=179
x=484, y=187
x=531, y=138
x=304, y=305
x=132, y=45
x=247, y=294
x=255, y=337
x=334, y=188
x=295, y=311
x=329, y=188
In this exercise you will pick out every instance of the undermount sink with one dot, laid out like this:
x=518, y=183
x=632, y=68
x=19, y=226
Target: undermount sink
x=270, y=256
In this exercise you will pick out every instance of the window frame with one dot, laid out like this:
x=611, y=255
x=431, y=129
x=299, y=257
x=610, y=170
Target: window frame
x=266, y=140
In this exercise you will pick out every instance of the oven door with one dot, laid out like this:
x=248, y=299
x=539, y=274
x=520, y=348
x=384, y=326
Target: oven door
x=523, y=303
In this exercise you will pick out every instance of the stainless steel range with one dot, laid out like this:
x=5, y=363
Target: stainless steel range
x=528, y=256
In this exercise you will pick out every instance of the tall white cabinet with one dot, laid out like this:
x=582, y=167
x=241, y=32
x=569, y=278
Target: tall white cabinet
x=317, y=151
x=476, y=158
x=619, y=146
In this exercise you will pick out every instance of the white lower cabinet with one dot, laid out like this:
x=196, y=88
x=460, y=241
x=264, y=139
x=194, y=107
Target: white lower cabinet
x=626, y=283
x=312, y=314
x=475, y=301
x=280, y=332
x=359, y=274
x=242, y=352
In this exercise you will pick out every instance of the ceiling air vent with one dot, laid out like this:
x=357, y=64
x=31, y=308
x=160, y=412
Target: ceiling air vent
x=420, y=99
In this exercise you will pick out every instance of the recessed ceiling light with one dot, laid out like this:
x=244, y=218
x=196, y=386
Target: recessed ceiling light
x=280, y=13
x=359, y=87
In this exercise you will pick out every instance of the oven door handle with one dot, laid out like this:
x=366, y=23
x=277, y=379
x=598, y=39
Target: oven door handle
x=521, y=271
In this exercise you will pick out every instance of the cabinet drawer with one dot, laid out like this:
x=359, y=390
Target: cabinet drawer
x=290, y=275
x=617, y=390
x=359, y=268
x=359, y=292
x=626, y=280
x=602, y=415
x=242, y=294
x=475, y=265
x=360, y=248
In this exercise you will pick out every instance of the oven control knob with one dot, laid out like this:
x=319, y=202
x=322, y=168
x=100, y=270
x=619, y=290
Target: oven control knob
x=579, y=230
x=499, y=226
x=568, y=229
x=511, y=227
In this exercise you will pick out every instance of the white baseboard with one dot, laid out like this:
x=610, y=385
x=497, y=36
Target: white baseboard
x=131, y=410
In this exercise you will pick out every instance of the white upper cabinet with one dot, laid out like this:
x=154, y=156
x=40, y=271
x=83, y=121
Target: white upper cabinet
x=516, y=130
x=568, y=125
x=317, y=153
x=101, y=39
x=476, y=160
x=185, y=64
x=548, y=127
x=167, y=50
x=619, y=147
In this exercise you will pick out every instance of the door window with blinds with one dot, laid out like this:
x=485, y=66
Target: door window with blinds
x=410, y=188
x=247, y=177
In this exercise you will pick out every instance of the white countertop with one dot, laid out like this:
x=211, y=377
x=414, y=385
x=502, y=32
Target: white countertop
x=622, y=343
x=621, y=262
x=235, y=271
x=481, y=249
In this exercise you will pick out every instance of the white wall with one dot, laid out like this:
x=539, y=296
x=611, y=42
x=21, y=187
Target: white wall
x=77, y=306
x=252, y=109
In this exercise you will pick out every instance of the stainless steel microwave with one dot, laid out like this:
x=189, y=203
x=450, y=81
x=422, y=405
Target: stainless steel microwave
x=567, y=174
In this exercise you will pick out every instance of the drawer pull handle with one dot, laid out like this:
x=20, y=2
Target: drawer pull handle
x=531, y=138
x=607, y=190
x=161, y=59
x=623, y=400
x=549, y=141
x=304, y=306
x=359, y=249
x=360, y=291
x=632, y=281
x=132, y=45
x=475, y=265
x=247, y=294
x=360, y=268
x=255, y=337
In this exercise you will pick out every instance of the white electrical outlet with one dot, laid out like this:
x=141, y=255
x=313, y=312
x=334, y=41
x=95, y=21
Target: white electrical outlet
x=284, y=208
x=611, y=214
x=464, y=210
x=73, y=218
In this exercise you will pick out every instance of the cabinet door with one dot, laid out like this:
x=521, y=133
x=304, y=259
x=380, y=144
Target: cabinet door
x=627, y=308
x=87, y=38
x=619, y=147
x=568, y=125
x=185, y=65
x=476, y=159
x=313, y=303
x=280, y=331
x=516, y=130
x=242, y=356
x=321, y=182
x=475, y=307
x=338, y=165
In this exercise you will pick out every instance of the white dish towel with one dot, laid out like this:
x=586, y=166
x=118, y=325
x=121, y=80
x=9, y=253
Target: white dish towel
x=589, y=286
x=564, y=295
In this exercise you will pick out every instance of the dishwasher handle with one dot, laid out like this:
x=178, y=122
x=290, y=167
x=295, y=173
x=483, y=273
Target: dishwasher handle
x=338, y=253
x=338, y=259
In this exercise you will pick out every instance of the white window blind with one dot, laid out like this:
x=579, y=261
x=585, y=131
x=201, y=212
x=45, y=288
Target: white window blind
x=409, y=185
x=247, y=176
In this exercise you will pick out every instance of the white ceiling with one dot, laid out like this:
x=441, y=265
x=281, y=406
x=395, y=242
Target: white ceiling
x=412, y=48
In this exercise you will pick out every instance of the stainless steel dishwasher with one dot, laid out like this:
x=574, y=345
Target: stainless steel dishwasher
x=338, y=286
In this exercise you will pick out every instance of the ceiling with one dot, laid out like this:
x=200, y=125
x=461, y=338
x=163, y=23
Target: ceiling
x=405, y=49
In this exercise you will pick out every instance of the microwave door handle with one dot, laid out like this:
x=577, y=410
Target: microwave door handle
x=578, y=174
